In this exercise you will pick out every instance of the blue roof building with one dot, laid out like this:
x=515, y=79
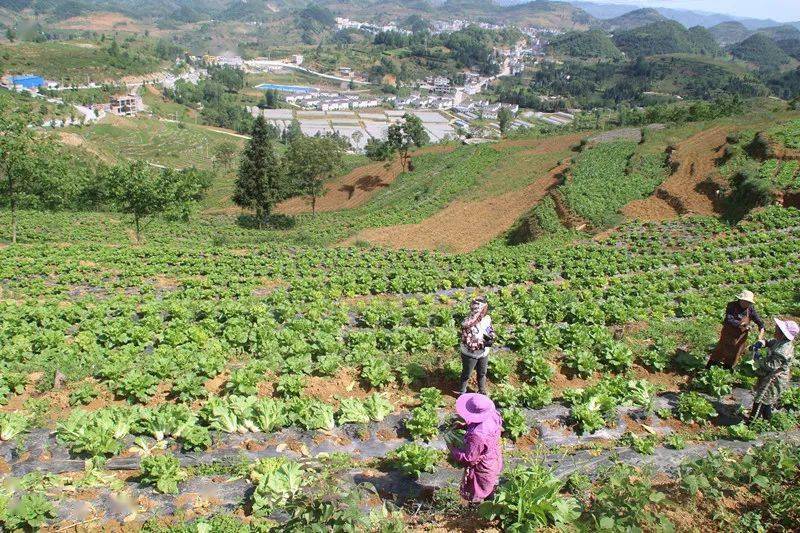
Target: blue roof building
x=28, y=82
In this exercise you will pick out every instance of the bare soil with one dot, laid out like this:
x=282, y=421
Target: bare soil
x=101, y=22
x=692, y=188
x=464, y=226
x=70, y=139
x=355, y=188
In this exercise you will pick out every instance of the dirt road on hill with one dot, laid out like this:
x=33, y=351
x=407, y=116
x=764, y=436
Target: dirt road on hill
x=355, y=188
x=464, y=226
x=691, y=189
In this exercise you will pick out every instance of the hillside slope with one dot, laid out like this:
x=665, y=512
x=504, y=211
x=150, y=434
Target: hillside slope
x=761, y=51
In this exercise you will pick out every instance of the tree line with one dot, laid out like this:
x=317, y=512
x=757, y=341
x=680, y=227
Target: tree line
x=264, y=179
x=37, y=173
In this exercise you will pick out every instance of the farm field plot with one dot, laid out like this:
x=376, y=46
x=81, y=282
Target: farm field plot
x=307, y=351
x=73, y=62
x=165, y=143
x=170, y=144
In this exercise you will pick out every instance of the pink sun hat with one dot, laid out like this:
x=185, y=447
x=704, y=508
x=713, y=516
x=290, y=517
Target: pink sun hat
x=788, y=327
x=475, y=408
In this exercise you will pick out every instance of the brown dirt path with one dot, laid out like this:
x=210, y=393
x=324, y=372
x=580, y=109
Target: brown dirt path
x=691, y=189
x=355, y=188
x=464, y=226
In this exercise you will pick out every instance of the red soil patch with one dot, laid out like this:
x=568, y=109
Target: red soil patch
x=464, y=226
x=691, y=189
x=344, y=384
x=355, y=188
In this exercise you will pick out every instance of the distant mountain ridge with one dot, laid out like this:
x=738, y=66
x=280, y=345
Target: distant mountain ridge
x=633, y=19
x=687, y=17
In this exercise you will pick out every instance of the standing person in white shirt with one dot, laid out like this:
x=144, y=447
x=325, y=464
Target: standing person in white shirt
x=477, y=336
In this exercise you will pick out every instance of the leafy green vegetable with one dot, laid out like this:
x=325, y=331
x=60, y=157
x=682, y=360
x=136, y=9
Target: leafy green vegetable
x=528, y=499
x=514, y=423
x=413, y=459
x=277, y=481
x=83, y=395
x=423, y=423
x=353, y=411
x=378, y=406
x=692, y=407
x=162, y=471
x=12, y=424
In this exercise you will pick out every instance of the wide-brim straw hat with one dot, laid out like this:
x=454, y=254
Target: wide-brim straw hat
x=789, y=328
x=475, y=408
x=747, y=296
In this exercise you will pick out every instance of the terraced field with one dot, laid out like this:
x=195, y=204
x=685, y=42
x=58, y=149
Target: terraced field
x=335, y=366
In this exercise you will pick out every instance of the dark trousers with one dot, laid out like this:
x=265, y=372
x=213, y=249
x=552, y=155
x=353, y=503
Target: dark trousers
x=468, y=364
x=761, y=410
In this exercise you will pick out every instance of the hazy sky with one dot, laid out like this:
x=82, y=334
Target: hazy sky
x=782, y=10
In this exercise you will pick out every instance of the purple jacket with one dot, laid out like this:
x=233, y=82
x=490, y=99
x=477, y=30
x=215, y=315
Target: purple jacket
x=483, y=457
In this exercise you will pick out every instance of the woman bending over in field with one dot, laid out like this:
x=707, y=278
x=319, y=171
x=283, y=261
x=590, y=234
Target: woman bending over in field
x=477, y=336
x=482, y=454
x=774, y=369
x=739, y=315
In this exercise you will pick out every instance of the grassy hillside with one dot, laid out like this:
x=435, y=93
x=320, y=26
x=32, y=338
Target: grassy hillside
x=75, y=61
x=761, y=51
x=664, y=38
x=702, y=76
x=633, y=19
x=586, y=45
x=781, y=33
x=791, y=47
x=731, y=32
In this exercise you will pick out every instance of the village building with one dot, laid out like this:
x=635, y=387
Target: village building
x=126, y=105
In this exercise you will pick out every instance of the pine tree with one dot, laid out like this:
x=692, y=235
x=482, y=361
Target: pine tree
x=259, y=184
